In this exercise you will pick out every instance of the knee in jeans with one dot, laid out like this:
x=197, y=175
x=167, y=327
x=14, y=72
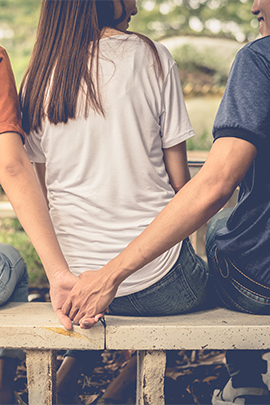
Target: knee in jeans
x=9, y=255
x=13, y=276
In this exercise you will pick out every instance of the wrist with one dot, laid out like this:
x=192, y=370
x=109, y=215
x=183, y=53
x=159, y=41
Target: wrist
x=57, y=273
x=121, y=267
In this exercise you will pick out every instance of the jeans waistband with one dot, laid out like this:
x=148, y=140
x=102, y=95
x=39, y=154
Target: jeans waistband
x=229, y=270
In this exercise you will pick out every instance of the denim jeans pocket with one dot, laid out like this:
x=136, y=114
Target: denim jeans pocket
x=181, y=290
x=169, y=296
x=235, y=290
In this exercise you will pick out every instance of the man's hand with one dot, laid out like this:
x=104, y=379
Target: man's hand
x=60, y=287
x=89, y=298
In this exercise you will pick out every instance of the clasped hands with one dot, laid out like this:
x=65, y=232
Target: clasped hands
x=88, y=299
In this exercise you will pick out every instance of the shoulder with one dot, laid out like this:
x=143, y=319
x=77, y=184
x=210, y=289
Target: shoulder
x=163, y=52
x=3, y=55
x=3, y=52
x=5, y=65
x=165, y=55
x=255, y=51
x=260, y=45
x=253, y=60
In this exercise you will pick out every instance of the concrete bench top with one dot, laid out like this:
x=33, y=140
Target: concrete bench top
x=35, y=326
x=217, y=328
x=32, y=325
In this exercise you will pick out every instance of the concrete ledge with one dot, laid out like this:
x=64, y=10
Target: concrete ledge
x=213, y=329
x=35, y=326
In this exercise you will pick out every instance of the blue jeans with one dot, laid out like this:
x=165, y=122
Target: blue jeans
x=183, y=289
x=235, y=290
x=13, y=285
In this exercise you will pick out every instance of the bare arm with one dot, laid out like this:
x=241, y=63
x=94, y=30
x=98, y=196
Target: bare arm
x=196, y=202
x=176, y=165
x=20, y=184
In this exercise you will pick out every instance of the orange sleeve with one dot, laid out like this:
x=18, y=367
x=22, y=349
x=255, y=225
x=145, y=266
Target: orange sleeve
x=10, y=116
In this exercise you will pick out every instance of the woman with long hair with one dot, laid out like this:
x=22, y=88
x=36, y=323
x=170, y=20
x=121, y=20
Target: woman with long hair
x=106, y=126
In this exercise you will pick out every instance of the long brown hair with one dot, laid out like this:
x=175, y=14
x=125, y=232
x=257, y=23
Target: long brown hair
x=62, y=57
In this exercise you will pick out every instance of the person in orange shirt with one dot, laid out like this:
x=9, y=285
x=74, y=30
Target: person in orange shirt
x=19, y=182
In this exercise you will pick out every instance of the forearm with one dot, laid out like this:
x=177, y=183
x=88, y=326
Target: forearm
x=192, y=206
x=176, y=165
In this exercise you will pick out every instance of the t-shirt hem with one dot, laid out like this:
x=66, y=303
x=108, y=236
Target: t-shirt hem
x=142, y=285
x=179, y=139
x=11, y=128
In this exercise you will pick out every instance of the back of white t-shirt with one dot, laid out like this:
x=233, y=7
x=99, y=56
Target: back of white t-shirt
x=105, y=176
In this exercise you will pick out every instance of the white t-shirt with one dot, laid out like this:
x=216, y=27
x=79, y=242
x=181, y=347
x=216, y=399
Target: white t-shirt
x=105, y=176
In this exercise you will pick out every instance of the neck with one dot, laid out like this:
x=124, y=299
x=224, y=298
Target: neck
x=110, y=32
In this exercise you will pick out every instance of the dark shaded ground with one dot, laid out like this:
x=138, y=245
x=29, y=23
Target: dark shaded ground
x=191, y=377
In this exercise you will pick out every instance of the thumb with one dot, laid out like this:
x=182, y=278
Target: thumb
x=65, y=321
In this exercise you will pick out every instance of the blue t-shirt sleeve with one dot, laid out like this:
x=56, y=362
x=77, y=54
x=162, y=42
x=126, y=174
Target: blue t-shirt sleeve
x=244, y=111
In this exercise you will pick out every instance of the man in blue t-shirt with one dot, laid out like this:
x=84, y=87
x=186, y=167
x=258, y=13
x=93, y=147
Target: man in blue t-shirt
x=238, y=240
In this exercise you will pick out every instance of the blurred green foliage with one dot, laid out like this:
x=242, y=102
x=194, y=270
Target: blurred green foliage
x=202, y=142
x=156, y=18
x=217, y=18
x=190, y=58
x=18, y=23
x=11, y=232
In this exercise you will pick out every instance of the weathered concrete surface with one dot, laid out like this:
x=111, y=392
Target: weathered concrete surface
x=214, y=329
x=35, y=326
x=41, y=380
x=150, y=377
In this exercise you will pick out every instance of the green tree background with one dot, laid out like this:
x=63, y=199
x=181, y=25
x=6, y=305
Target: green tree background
x=158, y=19
x=219, y=18
x=18, y=23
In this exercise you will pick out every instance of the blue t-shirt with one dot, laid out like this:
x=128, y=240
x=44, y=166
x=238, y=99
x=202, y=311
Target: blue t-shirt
x=244, y=113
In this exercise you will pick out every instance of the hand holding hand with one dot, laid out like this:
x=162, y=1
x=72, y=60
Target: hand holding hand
x=60, y=287
x=89, y=298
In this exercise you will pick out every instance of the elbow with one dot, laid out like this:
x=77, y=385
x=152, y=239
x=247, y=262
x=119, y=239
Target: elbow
x=213, y=191
x=177, y=187
x=10, y=170
x=180, y=184
x=222, y=191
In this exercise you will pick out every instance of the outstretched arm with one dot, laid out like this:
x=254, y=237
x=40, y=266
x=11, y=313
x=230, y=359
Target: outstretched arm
x=18, y=179
x=203, y=196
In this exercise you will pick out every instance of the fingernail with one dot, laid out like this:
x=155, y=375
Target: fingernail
x=86, y=323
